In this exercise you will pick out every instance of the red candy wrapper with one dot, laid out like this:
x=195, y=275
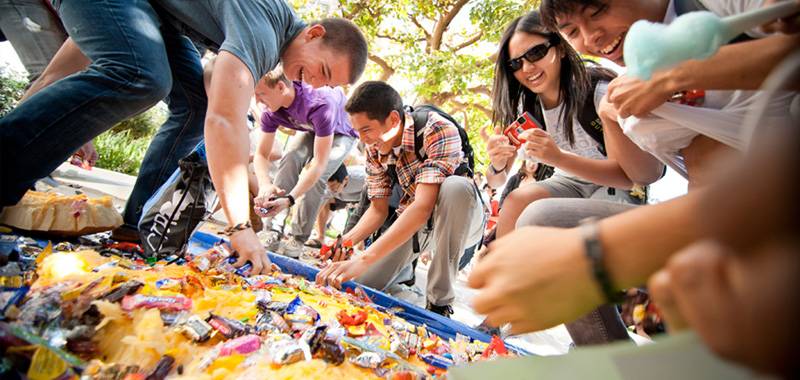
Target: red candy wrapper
x=496, y=348
x=351, y=320
x=137, y=301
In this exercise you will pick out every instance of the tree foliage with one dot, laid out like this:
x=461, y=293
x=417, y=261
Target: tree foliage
x=432, y=51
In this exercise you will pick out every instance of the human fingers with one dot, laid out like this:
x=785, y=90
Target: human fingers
x=488, y=299
x=660, y=289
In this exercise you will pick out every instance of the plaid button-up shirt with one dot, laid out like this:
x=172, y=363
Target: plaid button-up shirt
x=442, y=146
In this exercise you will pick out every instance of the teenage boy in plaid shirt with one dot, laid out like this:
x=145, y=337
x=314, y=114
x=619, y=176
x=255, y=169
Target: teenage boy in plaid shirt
x=430, y=191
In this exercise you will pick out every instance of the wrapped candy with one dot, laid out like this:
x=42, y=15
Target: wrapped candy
x=242, y=345
x=174, y=303
x=196, y=329
x=126, y=288
x=331, y=350
x=368, y=360
x=286, y=352
x=229, y=328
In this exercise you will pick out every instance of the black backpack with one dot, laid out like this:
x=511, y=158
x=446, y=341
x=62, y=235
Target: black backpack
x=420, y=115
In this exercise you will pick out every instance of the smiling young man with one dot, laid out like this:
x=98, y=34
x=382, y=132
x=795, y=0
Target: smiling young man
x=678, y=134
x=430, y=189
x=140, y=54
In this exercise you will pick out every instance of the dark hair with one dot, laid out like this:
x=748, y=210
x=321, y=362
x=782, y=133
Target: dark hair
x=508, y=95
x=553, y=8
x=339, y=175
x=376, y=99
x=343, y=35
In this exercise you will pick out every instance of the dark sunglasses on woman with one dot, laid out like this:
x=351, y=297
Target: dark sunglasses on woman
x=535, y=53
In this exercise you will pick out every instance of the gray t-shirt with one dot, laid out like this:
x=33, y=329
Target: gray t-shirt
x=255, y=31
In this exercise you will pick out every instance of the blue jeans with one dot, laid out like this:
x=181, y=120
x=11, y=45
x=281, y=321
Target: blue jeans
x=136, y=62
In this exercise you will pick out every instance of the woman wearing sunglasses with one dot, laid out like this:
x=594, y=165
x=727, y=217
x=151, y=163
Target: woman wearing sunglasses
x=539, y=73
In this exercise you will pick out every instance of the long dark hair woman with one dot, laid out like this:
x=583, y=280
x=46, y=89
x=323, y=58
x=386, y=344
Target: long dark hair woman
x=540, y=73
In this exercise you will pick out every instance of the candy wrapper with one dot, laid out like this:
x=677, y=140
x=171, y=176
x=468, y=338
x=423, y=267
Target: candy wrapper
x=242, y=345
x=368, y=360
x=229, y=328
x=196, y=329
x=286, y=352
x=176, y=303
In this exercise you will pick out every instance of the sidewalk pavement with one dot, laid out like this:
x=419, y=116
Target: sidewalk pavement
x=99, y=182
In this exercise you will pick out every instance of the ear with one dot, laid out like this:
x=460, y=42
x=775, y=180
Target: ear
x=314, y=31
x=393, y=119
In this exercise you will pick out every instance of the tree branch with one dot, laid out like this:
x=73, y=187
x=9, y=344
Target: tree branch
x=467, y=42
x=422, y=28
x=443, y=23
x=387, y=70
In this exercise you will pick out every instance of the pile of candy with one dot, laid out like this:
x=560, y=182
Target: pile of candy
x=116, y=316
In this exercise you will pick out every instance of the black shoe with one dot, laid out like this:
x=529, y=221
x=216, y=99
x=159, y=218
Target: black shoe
x=125, y=233
x=445, y=311
x=411, y=281
x=485, y=328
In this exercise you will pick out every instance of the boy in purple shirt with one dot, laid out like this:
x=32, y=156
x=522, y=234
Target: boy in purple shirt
x=325, y=138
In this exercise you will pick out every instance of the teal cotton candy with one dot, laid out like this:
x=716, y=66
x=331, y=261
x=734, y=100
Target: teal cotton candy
x=651, y=46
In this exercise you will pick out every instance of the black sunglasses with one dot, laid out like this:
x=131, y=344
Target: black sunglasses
x=533, y=54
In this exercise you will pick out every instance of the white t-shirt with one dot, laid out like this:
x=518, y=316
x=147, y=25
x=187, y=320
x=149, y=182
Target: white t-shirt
x=583, y=144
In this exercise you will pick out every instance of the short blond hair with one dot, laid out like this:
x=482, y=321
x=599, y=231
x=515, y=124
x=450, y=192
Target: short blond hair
x=273, y=77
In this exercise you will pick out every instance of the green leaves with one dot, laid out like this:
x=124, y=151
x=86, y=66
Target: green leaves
x=432, y=51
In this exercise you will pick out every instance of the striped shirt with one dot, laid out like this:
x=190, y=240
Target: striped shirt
x=442, y=145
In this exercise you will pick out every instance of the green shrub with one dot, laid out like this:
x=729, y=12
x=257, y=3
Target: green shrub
x=144, y=124
x=12, y=86
x=120, y=152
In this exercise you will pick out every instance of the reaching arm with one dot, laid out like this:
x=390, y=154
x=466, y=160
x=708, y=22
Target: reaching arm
x=741, y=66
x=322, y=151
x=227, y=144
x=639, y=166
x=261, y=162
x=733, y=67
x=68, y=60
x=501, y=155
x=407, y=224
x=372, y=219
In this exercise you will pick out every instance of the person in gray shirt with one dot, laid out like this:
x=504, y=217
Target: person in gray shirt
x=142, y=52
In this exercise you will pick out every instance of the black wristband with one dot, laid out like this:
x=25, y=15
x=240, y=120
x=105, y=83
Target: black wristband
x=495, y=171
x=291, y=199
x=594, y=252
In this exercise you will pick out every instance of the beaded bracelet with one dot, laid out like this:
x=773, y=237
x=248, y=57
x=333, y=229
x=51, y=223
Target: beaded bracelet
x=230, y=230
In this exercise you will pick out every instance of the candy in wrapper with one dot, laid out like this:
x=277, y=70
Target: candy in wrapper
x=286, y=352
x=200, y=264
x=351, y=319
x=242, y=345
x=244, y=270
x=169, y=284
x=331, y=350
x=405, y=375
x=104, y=266
x=229, y=328
x=368, y=360
x=313, y=337
x=196, y=329
x=175, y=303
x=126, y=288
x=437, y=361
x=398, y=347
x=162, y=369
x=278, y=307
x=270, y=321
x=496, y=348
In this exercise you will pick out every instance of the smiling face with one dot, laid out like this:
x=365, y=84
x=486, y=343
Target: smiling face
x=600, y=30
x=543, y=75
x=372, y=131
x=309, y=60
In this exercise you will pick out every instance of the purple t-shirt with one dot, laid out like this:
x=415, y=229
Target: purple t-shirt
x=319, y=111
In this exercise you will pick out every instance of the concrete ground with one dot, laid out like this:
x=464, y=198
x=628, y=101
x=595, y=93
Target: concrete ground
x=96, y=182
